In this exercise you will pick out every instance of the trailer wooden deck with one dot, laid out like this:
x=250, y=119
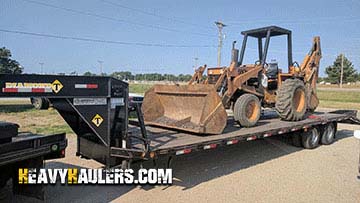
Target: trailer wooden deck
x=164, y=141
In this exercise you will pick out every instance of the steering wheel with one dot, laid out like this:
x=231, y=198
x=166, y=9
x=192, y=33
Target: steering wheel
x=266, y=65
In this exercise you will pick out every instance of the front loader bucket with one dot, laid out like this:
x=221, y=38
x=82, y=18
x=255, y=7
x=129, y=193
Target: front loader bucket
x=193, y=108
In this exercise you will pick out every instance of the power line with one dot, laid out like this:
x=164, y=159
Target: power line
x=85, y=13
x=155, y=15
x=100, y=40
x=308, y=21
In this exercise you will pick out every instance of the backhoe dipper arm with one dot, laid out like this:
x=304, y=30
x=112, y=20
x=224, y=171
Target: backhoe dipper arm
x=309, y=68
x=196, y=78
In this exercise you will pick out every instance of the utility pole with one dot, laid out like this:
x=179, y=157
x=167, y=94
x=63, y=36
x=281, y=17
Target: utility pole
x=41, y=67
x=196, y=63
x=101, y=67
x=342, y=70
x=220, y=26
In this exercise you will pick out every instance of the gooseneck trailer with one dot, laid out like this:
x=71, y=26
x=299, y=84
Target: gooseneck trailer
x=97, y=110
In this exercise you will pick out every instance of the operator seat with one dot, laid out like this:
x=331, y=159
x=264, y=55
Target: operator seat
x=272, y=72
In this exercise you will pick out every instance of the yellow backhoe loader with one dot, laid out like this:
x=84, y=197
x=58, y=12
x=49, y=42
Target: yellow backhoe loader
x=199, y=107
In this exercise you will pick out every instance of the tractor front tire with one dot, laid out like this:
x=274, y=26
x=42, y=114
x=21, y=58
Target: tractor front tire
x=291, y=100
x=247, y=110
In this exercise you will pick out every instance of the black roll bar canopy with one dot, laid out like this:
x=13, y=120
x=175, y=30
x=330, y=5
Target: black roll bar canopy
x=266, y=32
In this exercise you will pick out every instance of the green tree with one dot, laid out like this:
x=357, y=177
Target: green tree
x=334, y=71
x=122, y=75
x=88, y=73
x=8, y=65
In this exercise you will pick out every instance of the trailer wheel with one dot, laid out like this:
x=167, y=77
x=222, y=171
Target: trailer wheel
x=328, y=134
x=40, y=103
x=291, y=100
x=311, y=138
x=247, y=110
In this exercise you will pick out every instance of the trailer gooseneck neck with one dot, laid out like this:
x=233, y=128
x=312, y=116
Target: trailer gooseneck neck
x=96, y=108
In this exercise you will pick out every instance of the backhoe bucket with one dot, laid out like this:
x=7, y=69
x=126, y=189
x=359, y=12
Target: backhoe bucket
x=193, y=108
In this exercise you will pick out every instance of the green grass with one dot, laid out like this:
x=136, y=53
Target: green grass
x=339, y=99
x=339, y=96
x=139, y=88
x=46, y=129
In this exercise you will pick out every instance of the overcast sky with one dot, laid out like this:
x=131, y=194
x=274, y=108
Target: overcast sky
x=165, y=36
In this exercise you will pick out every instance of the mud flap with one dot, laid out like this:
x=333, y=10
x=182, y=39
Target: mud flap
x=35, y=191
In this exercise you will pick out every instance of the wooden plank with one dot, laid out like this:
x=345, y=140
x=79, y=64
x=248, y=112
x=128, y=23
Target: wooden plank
x=162, y=139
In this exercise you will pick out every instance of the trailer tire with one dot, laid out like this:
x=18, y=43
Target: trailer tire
x=247, y=110
x=310, y=139
x=328, y=134
x=40, y=103
x=291, y=100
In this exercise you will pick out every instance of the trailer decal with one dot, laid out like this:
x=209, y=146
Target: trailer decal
x=89, y=101
x=267, y=134
x=97, y=120
x=210, y=146
x=251, y=138
x=56, y=86
x=27, y=89
x=20, y=87
x=185, y=151
x=86, y=86
x=232, y=142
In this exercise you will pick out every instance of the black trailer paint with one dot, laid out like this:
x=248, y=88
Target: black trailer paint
x=96, y=108
x=26, y=151
x=166, y=142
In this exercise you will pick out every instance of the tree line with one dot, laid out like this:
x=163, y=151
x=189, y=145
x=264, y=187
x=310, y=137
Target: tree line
x=127, y=75
x=333, y=72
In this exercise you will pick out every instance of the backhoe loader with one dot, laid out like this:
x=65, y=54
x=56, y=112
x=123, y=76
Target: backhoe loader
x=199, y=107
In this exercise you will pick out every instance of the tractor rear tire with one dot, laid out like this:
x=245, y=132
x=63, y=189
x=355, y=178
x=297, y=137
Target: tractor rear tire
x=291, y=100
x=247, y=110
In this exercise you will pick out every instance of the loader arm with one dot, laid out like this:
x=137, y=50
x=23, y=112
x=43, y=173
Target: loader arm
x=238, y=82
x=197, y=77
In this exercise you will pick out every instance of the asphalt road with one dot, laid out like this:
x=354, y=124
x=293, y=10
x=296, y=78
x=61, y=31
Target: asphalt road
x=268, y=170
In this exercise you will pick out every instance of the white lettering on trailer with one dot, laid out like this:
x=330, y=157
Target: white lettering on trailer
x=116, y=102
x=89, y=101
